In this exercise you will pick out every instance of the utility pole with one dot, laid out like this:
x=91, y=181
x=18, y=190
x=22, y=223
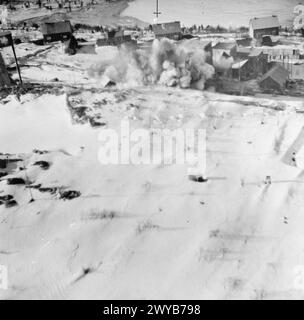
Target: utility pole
x=156, y=13
x=17, y=65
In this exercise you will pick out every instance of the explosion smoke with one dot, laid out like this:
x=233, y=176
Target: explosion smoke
x=165, y=63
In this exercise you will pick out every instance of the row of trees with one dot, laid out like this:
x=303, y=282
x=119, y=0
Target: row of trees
x=215, y=29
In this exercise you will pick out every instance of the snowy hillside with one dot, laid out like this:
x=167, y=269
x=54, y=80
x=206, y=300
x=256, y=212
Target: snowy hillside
x=147, y=231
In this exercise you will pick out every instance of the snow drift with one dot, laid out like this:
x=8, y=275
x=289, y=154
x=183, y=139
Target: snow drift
x=165, y=63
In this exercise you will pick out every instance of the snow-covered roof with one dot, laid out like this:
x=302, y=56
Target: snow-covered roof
x=249, y=51
x=205, y=43
x=239, y=64
x=265, y=22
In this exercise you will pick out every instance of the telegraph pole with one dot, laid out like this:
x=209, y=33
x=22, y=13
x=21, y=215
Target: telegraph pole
x=156, y=13
x=17, y=65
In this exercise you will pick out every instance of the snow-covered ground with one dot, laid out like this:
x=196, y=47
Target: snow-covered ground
x=147, y=231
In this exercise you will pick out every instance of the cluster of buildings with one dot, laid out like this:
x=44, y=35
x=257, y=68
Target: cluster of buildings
x=259, y=56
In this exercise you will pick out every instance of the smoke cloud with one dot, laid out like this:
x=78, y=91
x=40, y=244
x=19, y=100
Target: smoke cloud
x=165, y=63
x=222, y=63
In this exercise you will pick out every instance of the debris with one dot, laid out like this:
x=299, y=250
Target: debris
x=11, y=203
x=3, y=174
x=40, y=151
x=8, y=201
x=50, y=190
x=196, y=178
x=80, y=111
x=69, y=194
x=268, y=180
x=96, y=123
x=15, y=181
x=34, y=186
x=42, y=164
x=7, y=197
x=293, y=159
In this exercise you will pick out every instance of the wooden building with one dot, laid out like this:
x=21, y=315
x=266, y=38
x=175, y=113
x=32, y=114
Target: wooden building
x=170, y=30
x=275, y=79
x=295, y=68
x=56, y=31
x=250, y=63
x=259, y=27
x=115, y=38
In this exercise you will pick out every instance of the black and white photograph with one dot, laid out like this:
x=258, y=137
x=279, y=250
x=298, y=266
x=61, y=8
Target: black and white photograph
x=151, y=150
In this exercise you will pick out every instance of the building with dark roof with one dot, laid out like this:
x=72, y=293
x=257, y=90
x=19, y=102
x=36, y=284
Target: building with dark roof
x=170, y=30
x=115, y=38
x=275, y=79
x=259, y=27
x=56, y=31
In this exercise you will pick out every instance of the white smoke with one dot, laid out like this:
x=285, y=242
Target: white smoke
x=222, y=63
x=166, y=63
